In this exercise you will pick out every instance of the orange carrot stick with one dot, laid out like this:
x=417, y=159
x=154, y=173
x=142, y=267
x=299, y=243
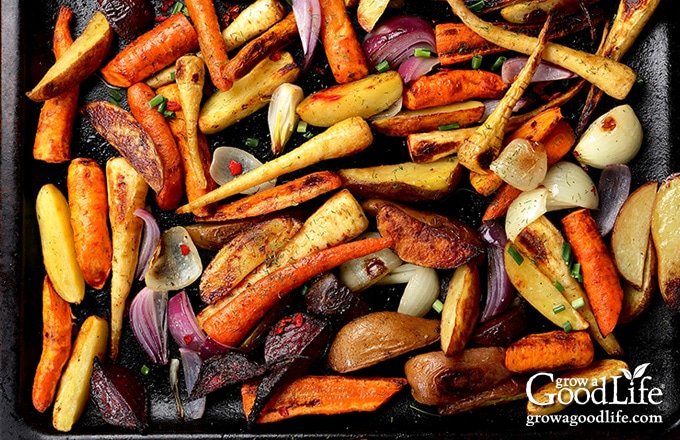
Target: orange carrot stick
x=550, y=351
x=152, y=51
x=600, y=278
x=326, y=395
x=55, y=123
x=88, y=202
x=138, y=96
x=56, y=348
x=343, y=49
x=213, y=47
x=233, y=322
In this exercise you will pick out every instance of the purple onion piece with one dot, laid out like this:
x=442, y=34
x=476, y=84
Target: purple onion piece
x=150, y=238
x=191, y=366
x=613, y=189
x=500, y=290
x=414, y=67
x=148, y=320
x=395, y=40
x=308, y=20
x=546, y=71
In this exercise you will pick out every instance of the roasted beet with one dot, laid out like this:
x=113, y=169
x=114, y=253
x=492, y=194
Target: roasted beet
x=292, y=346
x=503, y=329
x=228, y=368
x=328, y=297
x=128, y=18
x=119, y=396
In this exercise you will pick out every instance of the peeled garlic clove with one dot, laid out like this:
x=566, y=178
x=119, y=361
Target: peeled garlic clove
x=613, y=138
x=421, y=291
x=522, y=164
x=570, y=187
x=526, y=208
x=282, y=117
x=222, y=166
x=176, y=263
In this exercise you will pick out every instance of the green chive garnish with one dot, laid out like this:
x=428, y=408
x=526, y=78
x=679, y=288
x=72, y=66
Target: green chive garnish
x=301, y=127
x=576, y=272
x=144, y=370
x=252, y=142
x=498, y=63
x=438, y=306
x=115, y=94
x=559, y=308
x=172, y=75
x=567, y=326
x=308, y=135
x=383, y=66
x=168, y=114
x=156, y=100
x=476, y=7
x=578, y=303
x=514, y=253
x=476, y=62
x=558, y=286
x=448, y=127
x=566, y=254
x=422, y=52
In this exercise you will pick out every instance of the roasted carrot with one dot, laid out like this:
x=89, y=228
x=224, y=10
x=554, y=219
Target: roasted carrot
x=152, y=51
x=600, y=278
x=192, y=183
x=279, y=197
x=233, y=322
x=55, y=123
x=88, y=203
x=56, y=346
x=343, y=49
x=550, y=351
x=213, y=47
x=453, y=85
x=309, y=395
x=277, y=37
x=138, y=96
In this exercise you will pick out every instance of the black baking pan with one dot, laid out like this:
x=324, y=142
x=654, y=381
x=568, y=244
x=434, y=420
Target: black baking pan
x=653, y=338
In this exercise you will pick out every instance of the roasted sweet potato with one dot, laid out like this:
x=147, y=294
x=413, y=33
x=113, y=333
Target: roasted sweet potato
x=550, y=351
x=448, y=86
x=406, y=122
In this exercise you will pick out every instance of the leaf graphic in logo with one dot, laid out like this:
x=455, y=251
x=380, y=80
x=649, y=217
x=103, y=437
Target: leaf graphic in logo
x=626, y=373
x=640, y=370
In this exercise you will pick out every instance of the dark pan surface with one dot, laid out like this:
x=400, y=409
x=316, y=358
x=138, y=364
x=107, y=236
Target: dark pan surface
x=26, y=33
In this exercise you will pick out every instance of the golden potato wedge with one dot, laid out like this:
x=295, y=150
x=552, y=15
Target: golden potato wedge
x=405, y=181
x=129, y=138
x=629, y=242
x=635, y=300
x=248, y=94
x=74, y=387
x=507, y=391
x=78, y=62
x=242, y=254
x=433, y=145
x=366, y=97
x=461, y=114
x=440, y=243
x=539, y=290
x=666, y=235
x=58, y=245
x=461, y=308
x=212, y=236
x=596, y=375
x=369, y=12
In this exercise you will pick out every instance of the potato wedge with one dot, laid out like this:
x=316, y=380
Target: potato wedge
x=431, y=241
x=433, y=145
x=635, y=300
x=505, y=392
x=365, y=98
x=78, y=62
x=461, y=114
x=74, y=387
x=629, y=243
x=377, y=337
x=666, y=235
x=129, y=138
x=244, y=253
x=369, y=12
x=539, y=291
x=461, y=308
x=247, y=95
x=405, y=181
x=58, y=245
x=595, y=375
x=212, y=236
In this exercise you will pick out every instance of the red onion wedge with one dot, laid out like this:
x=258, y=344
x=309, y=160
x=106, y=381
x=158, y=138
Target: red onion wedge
x=499, y=289
x=191, y=366
x=150, y=238
x=414, y=67
x=148, y=320
x=397, y=39
x=545, y=72
x=185, y=330
x=613, y=188
x=308, y=20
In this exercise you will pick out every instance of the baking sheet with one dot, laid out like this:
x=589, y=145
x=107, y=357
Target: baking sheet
x=26, y=35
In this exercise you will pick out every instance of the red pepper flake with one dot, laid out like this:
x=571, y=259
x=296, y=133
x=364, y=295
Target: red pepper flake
x=188, y=339
x=235, y=168
x=276, y=56
x=160, y=18
x=298, y=319
x=283, y=411
x=173, y=106
x=167, y=4
x=230, y=15
x=281, y=326
x=184, y=249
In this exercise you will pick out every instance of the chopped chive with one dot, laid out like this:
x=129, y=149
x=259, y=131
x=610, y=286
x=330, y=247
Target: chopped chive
x=514, y=253
x=476, y=62
x=144, y=370
x=304, y=290
x=476, y=7
x=576, y=272
x=168, y=114
x=115, y=94
x=566, y=253
x=422, y=52
x=161, y=106
x=172, y=75
x=252, y=142
x=559, y=286
x=308, y=135
x=438, y=306
x=384, y=66
x=177, y=8
x=567, y=326
x=301, y=127
x=559, y=308
x=156, y=100
x=578, y=303
x=448, y=127
x=498, y=63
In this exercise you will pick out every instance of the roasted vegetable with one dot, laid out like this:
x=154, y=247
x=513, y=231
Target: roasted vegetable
x=406, y=122
x=502, y=330
x=128, y=18
x=550, y=351
x=328, y=297
x=461, y=308
x=666, y=236
x=213, y=236
x=507, y=391
x=224, y=369
x=119, y=396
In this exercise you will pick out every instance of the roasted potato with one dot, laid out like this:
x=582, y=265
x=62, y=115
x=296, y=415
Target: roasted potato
x=666, y=235
x=406, y=122
x=461, y=308
x=405, y=181
x=635, y=300
x=212, y=236
x=507, y=391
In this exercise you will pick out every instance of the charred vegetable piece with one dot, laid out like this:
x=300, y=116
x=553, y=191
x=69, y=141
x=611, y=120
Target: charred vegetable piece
x=506, y=391
x=128, y=18
x=502, y=330
x=228, y=368
x=328, y=297
x=292, y=346
x=119, y=396
x=212, y=236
